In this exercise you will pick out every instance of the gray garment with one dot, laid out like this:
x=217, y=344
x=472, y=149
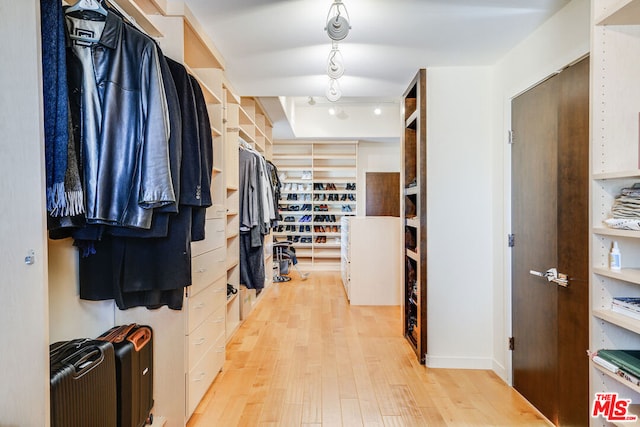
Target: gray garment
x=248, y=205
x=252, y=271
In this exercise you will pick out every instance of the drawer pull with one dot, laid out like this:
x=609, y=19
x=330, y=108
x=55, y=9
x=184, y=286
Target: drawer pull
x=201, y=376
x=199, y=306
x=202, y=270
x=200, y=341
x=220, y=350
x=220, y=320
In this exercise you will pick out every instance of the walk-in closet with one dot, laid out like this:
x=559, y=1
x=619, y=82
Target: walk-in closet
x=303, y=213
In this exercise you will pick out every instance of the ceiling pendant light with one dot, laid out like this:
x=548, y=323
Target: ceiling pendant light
x=335, y=65
x=333, y=91
x=337, y=26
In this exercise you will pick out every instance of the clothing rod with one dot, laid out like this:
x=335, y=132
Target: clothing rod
x=244, y=143
x=126, y=16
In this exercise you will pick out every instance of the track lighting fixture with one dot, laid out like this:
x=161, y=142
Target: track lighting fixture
x=337, y=26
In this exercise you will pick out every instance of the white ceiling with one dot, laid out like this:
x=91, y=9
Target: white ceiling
x=279, y=47
x=275, y=48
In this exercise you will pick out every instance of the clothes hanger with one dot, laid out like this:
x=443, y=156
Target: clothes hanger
x=87, y=5
x=90, y=10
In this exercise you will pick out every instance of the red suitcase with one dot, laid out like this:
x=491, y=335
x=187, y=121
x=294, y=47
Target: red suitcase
x=133, y=345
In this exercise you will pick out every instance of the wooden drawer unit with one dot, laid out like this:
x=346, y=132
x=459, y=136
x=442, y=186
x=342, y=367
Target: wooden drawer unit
x=204, y=303
x=204, y=336
x=215, y=237
x=206, y=268
x=203, y=373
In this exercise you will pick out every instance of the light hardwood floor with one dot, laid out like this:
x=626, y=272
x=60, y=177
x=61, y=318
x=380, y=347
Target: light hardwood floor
x=305, y=357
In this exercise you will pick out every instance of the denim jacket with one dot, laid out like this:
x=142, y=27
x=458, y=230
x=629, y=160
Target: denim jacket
x=124, y=157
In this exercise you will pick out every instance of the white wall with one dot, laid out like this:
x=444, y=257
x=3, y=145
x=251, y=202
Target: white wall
x=459, y=202
x=351, y=121
x=24, y=355
x=560, y=41
x=469, y=309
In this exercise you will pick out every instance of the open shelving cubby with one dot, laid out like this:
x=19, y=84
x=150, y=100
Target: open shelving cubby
x=414, y=210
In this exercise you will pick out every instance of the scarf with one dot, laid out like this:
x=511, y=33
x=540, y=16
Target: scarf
x=63, y=189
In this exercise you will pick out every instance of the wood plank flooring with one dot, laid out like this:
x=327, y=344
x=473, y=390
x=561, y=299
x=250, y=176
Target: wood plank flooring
x=305, y=357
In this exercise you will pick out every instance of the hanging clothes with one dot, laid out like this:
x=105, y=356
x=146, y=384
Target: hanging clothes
x=151, y=272
x=136, y=249
x=125, y=124
x=257, y=211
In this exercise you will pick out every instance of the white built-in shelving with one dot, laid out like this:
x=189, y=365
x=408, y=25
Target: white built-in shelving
x=319, y=187
x=615, y=100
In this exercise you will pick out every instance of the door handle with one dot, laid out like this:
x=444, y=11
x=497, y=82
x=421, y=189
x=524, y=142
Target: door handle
x=552, y=275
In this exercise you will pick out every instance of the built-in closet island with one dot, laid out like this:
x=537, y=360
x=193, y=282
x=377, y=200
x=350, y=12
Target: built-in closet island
x=189, y=344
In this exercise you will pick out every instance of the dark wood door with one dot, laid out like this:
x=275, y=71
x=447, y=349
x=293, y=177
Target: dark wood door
x=550, y=158
x=382, y=189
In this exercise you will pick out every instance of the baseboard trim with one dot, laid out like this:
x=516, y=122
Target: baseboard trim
x=452, y=362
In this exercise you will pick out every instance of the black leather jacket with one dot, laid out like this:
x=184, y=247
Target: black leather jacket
x=126, y=167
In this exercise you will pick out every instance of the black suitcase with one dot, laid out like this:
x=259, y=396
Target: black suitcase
x=82, y=384
x=133, y=346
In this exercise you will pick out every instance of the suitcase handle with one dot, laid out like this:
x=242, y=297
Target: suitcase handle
x=117, y=334
x=140, y=338
x=86, y=362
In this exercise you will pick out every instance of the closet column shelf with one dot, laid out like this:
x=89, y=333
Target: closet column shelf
x=618, y=319
x=614, y=152
x=631, y=275
x=414, y=210
x=604, y=231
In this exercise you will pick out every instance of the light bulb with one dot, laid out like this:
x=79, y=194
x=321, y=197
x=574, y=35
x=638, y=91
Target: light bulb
x=333, y=91
x=335, y=65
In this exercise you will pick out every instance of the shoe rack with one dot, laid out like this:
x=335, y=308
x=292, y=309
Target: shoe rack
x=414, y=206
x=319, y=188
